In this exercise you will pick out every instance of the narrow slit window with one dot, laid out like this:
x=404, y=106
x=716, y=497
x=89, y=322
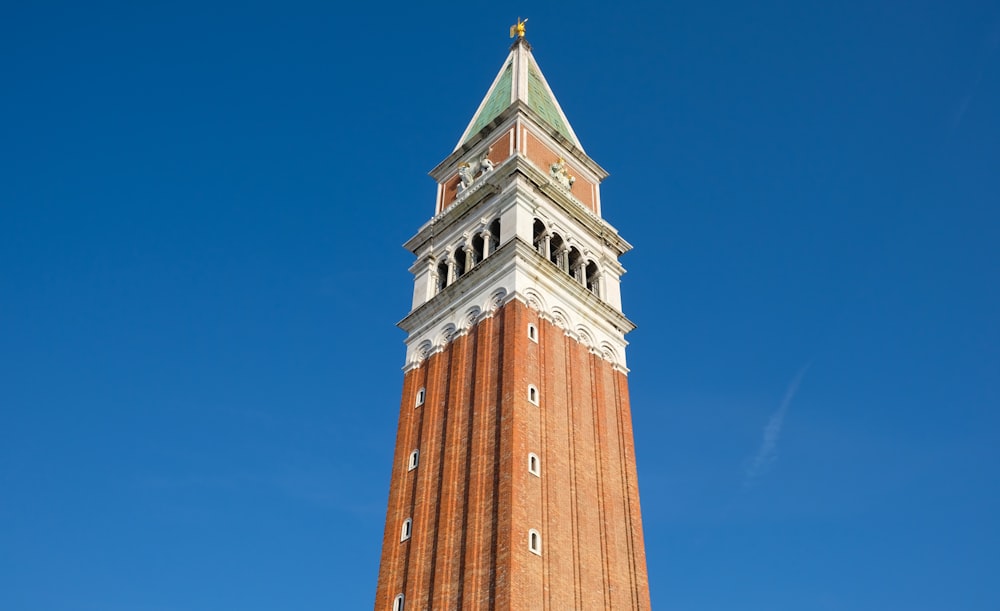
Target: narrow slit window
x=533, y=333
x=397, y=603
x=534, y=542
x=421, y=394
x=533, y=394
x=414, y=460
x=534, y=466
x=407, y=529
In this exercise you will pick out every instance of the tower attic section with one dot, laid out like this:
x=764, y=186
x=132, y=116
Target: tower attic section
x=518, y=216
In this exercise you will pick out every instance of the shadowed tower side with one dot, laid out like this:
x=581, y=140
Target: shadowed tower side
x=514, y=477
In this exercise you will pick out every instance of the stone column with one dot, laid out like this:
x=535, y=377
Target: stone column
x=432, y=277
x=470, y=255
x=451, y=268
x=487, y=242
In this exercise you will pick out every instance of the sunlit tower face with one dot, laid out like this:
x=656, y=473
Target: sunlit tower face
x=514, y=478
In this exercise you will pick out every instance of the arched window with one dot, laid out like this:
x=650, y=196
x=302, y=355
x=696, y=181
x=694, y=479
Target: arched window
x=477, y=248
x=406, y=530
x=534, y=465
x=532, y=332
x=535, y=542
x=411, y=464
x=397, y=603
x=420, y=397
x=574, y=265
x=494, y=234
x=442, y=275
x=532, y=394
x=461, y=261
x=593, y=280
x=538, y=237
x=556, y=248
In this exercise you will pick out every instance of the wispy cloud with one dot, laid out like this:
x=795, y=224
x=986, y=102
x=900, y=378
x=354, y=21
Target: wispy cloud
x=767, y=453
x=963, y=105
x=989, y=48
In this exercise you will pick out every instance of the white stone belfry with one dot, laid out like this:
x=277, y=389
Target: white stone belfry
x=518, y=217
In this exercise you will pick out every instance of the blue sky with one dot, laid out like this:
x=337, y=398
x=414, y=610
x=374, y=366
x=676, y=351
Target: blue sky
x=201, y=212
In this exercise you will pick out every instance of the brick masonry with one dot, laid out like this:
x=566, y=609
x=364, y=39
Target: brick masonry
x=472, y=499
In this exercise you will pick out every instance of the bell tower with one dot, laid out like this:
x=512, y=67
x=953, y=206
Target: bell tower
x=514, y=478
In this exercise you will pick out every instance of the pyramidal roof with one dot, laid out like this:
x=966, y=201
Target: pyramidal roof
x=520, y=79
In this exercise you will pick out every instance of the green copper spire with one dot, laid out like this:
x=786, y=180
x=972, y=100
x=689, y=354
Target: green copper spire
x=541, y=101
x=497, y=100
x=520, y=79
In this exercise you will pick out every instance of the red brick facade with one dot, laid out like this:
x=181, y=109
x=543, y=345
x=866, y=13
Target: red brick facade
x=499, y=151
x=472, y=499
x=583, y=189
x=542, y=156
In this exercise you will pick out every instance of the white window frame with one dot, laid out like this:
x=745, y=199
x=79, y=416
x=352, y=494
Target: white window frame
x=421, y=395
x=533, y=332
x=398, y=602
x=535, y=542
x=413, y=461
x=533, y=394
x=537, y=462
x=407, y=530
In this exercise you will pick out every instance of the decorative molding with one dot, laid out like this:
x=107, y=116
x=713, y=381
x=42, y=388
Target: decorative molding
x=516, y=270
x=447, y=334
x=448, y=331
x=497, y=299
x=569, y=206
x=534, y=300
x=559, y=318
x=472, y=317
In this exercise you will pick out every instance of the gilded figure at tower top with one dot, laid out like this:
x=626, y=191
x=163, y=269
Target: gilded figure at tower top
x=518, y=28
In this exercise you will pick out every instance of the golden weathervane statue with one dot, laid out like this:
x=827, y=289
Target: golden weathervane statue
x=518, y=29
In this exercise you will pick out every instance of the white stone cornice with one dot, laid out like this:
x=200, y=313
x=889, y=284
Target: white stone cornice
x=498, y=181
x=516, y=271
x=597, y=226
x=484, y=187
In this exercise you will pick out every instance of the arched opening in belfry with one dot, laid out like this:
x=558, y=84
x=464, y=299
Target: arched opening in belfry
x=538, y=237
x=477, y=248
x=442, y=275
x=556, y=248
x=461, y=259
x=575, y=264
x=494, y=234
x=593, y=280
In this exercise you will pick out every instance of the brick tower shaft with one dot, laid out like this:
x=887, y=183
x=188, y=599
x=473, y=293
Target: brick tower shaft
x=514, y=480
